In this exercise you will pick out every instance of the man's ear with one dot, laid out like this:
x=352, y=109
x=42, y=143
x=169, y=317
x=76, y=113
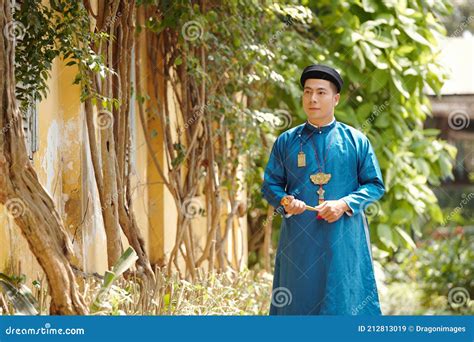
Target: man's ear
x=336, y=98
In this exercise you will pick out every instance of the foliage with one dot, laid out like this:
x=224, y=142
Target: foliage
x=438, y=266
x=34, y=51
x=45, y=31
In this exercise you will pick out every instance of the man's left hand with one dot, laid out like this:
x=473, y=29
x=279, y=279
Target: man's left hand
x=332, y=211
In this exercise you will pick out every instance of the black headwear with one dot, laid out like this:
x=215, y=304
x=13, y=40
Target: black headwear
x=322, y=72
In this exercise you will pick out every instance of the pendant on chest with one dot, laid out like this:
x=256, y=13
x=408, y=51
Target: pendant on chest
x=301, y=159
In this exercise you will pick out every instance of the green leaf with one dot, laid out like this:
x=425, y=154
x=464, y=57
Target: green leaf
x=431, y=132
x=364, y=110
x=382, y=121
x=378, y=80
x=407, y=238
x=413, y=34
x=405, y=49
x=126, y=260
x=373, y=32
x=398, y=82
x=359, y=57
x=382, y=42
x=166, y=299
x=436, y=213
x=445, y=165
x=385, y=235
x=369, y=53
x=422, y=166
x=401, y=215
x=369, y=6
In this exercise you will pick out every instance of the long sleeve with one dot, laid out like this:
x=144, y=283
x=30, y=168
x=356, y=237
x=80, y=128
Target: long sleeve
x=274, y=183
x=371, y=186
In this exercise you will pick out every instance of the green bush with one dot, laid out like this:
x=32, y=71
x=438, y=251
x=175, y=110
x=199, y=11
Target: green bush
x=443, y=270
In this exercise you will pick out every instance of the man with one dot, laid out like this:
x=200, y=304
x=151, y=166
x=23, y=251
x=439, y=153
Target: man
x=323, y=264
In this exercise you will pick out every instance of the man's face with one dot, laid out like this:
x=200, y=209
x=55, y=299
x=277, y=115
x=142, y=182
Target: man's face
x=319, y=99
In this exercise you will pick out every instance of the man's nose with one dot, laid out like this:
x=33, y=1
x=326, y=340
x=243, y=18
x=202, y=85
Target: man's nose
x=314, y=97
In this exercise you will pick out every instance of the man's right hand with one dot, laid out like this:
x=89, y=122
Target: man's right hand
x=294, y=206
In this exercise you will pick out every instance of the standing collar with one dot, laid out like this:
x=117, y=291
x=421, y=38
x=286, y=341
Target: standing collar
x=321, y=129
x=329, y=124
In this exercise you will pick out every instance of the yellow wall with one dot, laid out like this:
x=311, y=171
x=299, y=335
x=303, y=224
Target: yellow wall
x=156, y=189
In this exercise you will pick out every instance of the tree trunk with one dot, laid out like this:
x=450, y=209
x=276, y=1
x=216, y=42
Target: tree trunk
x=111, y=153
x=23, y=195
x=267, y=240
